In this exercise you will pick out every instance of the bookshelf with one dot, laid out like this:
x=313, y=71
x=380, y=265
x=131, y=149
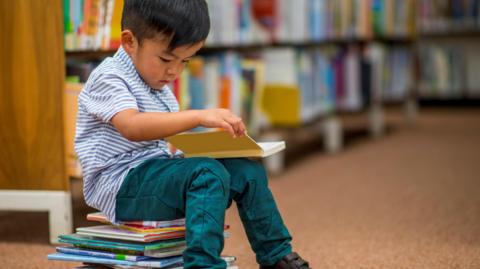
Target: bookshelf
x=459, y=33
x=364, y=38
x=32, y=173
x=99, y=54
x=449, y=35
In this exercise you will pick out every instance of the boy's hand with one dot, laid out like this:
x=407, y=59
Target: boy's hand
x=222, y=118
x=172, y=148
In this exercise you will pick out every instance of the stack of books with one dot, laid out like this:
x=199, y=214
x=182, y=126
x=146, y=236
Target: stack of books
x=135, y=244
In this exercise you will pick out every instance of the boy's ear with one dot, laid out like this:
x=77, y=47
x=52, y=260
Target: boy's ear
x=129, y=42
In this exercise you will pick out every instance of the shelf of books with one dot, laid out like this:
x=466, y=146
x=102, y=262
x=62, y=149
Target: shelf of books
x=449, y=36
x=282, y=65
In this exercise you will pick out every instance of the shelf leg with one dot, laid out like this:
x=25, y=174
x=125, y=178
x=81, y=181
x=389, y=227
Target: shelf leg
x=333, y=135
x=377, y=121
x=411, y=110
x=60, y=219
x=274, y=164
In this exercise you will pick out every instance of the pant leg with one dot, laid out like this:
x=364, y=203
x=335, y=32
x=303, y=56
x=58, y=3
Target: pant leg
x=197, y=188
x=268, y=236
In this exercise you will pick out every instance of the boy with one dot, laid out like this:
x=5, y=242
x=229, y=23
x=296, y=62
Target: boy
x=126, y=109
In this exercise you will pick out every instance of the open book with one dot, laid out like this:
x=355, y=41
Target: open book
x=220, y=144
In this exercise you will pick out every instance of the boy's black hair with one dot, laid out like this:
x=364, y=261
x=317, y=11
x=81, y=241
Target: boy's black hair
x=185, y=22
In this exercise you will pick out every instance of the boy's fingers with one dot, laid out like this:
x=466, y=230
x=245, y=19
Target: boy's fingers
x=172, y=148
x=237, y=124
x=236, y=128
x=228, y=127
x=231, y=122
x=243, y=129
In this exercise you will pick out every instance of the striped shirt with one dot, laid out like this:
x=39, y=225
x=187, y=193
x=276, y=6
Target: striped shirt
x=105, y=155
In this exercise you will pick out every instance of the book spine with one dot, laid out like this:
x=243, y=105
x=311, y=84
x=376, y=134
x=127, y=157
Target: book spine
x=88, y=259
x=161, y=263
x=98, y=254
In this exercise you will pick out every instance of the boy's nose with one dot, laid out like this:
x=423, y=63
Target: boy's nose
x=172, y=71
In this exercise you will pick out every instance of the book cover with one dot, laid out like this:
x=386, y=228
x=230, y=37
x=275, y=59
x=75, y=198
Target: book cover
x=164, y=253
x=114, y=232
x=157, y=263
x=220, y=144
x=111, y=244
x=115, y=29
x=178, y=223
x=253, y=82
x=144, y=227
x=100, y=254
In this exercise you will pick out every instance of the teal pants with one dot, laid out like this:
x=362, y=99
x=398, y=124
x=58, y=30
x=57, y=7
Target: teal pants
x=201, y=189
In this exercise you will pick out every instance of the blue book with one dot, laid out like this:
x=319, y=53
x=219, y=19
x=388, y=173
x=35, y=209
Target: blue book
x=100, y=254
x=158, y=263
x=317, y=19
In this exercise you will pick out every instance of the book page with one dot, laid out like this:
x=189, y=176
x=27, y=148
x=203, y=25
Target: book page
x=270, y=148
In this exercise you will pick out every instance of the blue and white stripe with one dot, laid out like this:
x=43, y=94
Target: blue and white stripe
x=105, y=155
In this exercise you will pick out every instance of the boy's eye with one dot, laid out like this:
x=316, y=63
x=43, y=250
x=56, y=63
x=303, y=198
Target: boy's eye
x=165, y=60
x=186, y=61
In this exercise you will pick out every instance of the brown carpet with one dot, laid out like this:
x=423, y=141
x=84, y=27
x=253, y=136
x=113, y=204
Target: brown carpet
x=408, y=200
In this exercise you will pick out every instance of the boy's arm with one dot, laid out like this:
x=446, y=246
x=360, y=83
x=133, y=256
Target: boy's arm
x=144, y=126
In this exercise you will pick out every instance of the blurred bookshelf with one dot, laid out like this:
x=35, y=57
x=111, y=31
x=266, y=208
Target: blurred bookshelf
x=287, y=67
x=448, y=41
x=452, y=33
x=102, y=53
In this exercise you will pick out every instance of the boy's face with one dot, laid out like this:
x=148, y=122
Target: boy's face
x=156, y=64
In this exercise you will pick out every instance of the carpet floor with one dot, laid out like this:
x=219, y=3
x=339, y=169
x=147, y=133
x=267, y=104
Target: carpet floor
x=407, y=200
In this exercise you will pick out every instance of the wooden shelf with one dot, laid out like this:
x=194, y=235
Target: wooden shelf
x=450, y=102
x=451, y=33
x=99, y=54
x=89, y=54
x=307, y=44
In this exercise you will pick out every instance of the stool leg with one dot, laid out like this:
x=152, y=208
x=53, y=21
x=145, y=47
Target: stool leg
x=60, y=217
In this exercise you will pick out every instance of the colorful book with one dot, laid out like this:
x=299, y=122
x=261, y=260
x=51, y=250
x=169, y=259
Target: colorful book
x=137, y=227
x=156, y=253
x=118, y=245
x=230, y=260
x=143, y=229
x=220, y=144
x=130, y=267
x=100, y=217
x=164, y=253
x=158, y=263
x=114, y=232
x=86, y=265
x=100, y=254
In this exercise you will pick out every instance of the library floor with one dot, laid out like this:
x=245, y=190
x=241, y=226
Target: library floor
x=408, y=200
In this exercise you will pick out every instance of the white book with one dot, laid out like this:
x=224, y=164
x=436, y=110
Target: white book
x=352, y=100
x=280, y=66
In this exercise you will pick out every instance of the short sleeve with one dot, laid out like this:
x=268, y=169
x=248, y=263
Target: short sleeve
x=106, y=96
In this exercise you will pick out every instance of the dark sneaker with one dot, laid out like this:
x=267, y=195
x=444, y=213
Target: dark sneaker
x=291, y=261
